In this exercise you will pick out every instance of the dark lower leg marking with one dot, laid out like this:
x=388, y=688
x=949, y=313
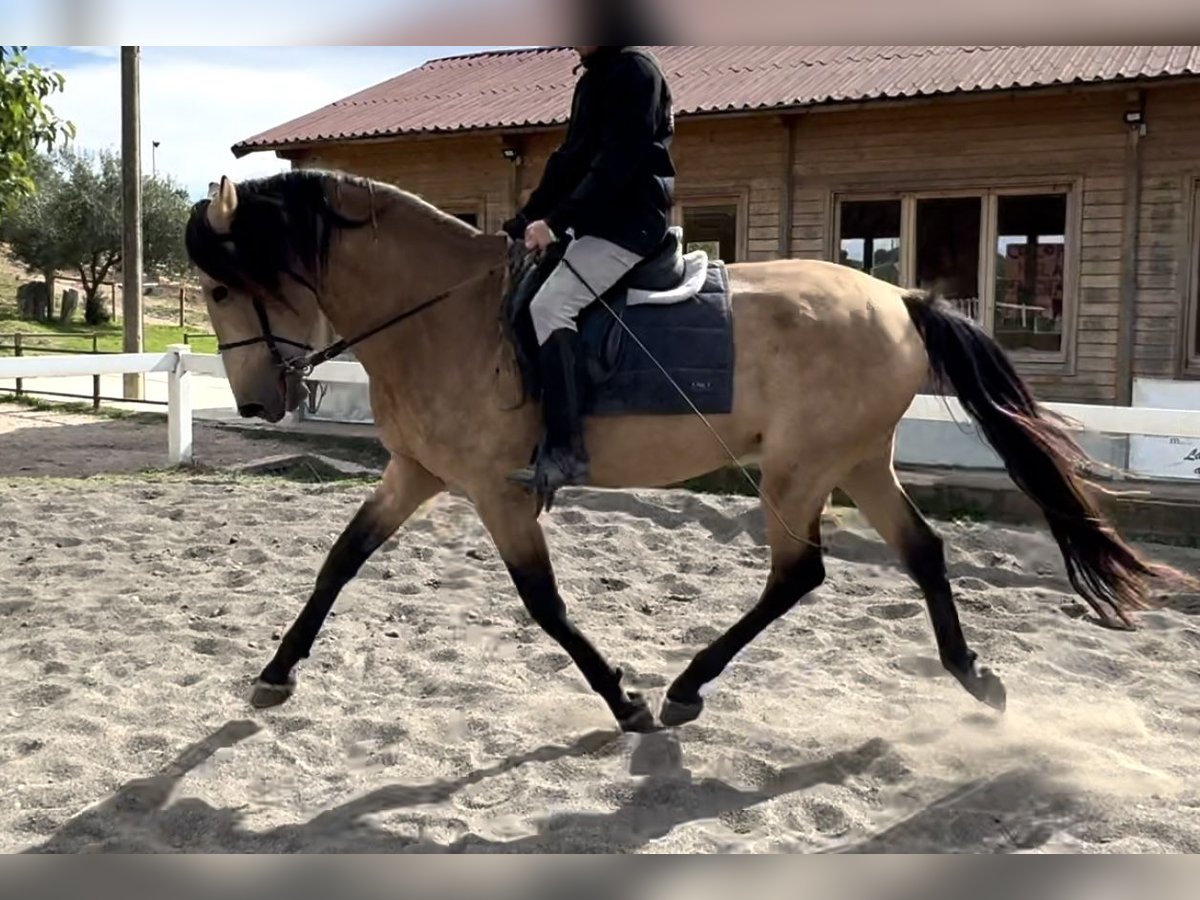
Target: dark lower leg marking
x=784, y=590
x=538, y=591
x=361, y=538
x=925, y=558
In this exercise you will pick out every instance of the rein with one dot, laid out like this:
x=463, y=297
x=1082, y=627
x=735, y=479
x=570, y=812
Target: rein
x=305, y=364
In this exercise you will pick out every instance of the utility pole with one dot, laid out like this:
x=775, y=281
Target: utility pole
x=131, y=211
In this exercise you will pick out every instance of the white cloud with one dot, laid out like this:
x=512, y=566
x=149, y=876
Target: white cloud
x=199, y=102
x=103, y=52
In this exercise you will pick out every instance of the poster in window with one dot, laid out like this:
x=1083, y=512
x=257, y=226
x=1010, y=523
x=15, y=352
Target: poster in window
x=712, y=248
x=1013, y=273
x=1047, y=278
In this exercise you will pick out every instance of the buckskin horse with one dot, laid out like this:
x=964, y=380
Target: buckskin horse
x=805, y=366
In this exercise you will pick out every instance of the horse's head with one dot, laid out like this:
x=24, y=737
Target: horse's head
x=260, y=248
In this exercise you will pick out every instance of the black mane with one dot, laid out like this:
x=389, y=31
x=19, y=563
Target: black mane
x=282, y=227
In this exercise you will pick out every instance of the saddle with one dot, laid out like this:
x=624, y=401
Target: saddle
x=677, y=306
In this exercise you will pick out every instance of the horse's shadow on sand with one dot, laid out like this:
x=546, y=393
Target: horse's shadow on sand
x=1018, y=810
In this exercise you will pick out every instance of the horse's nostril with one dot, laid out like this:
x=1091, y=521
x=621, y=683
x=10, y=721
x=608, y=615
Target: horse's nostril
x=251, y=410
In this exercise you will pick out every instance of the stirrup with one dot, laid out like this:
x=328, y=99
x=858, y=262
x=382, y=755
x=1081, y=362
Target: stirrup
x=553, y=469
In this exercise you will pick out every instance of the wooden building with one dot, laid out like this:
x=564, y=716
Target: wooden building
x=1052, y=192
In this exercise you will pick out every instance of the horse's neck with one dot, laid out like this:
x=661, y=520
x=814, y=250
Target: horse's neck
x=377, y=274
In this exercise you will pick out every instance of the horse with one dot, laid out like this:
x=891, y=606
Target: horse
x=827, y=361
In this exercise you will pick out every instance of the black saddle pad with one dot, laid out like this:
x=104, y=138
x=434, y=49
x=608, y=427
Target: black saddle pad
x=691, y=339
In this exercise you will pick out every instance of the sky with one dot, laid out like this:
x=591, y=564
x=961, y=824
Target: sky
x=197, y=102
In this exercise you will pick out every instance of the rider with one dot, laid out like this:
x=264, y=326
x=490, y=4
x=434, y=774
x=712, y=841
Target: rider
x=611, y=183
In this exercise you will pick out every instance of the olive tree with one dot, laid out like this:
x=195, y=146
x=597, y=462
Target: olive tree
x=73, y=221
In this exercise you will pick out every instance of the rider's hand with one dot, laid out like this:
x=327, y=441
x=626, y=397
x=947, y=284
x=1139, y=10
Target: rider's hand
x=538, y=236
x=515, y=227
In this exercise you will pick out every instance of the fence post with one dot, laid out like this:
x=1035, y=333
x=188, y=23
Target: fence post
x=179, y=408
x=181, y=306
x=18, y=352
x=95, y=378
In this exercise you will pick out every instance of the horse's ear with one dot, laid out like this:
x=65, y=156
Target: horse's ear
x=223, y=206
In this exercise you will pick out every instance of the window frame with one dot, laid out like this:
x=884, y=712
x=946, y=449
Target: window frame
x=835, y=245
x=908, y=219
x=739, y=198
x=989, y=195
x=1072, y=237
x=462, y=206
x=1191, y=279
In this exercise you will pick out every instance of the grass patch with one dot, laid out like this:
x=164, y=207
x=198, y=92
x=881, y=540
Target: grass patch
x=362, y=451
x=84, y=409
x=53, y=336
x=728, y=481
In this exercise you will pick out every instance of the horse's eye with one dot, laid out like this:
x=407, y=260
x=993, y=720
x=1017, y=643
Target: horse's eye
x=219, y=293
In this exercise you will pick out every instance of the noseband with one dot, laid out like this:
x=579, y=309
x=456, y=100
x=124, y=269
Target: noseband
x=305, y=364
x=267, y=337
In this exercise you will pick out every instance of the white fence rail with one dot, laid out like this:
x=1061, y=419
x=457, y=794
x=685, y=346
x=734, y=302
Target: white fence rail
x=181, y=364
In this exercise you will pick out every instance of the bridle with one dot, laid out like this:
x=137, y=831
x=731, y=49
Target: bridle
x=304, y=365
x=267, y=337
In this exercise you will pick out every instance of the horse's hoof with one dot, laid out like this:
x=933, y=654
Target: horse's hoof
x=265, y=695
x=985, y=686
x=677, y=712
x=637, y=716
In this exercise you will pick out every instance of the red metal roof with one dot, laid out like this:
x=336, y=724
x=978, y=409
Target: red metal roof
x=516, y=88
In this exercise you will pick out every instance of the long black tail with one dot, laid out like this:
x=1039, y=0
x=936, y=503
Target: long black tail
x=1040, y=456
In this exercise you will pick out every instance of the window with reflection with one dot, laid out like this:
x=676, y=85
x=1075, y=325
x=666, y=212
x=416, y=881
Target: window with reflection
x=1024, y=286
x=713, y=229
x=948, y=250
x=1031, y=239
x=870, y=237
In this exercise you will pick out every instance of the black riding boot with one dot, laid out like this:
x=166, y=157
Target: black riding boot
x=562, y=458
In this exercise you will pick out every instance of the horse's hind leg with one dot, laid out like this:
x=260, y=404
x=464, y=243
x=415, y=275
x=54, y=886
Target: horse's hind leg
x=875, y=490
x=510, y=517
x=405, y=486
x=797, y=569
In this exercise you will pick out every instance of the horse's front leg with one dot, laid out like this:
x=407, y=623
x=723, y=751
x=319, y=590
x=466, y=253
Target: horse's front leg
x=510, y=518
x=405, y=486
